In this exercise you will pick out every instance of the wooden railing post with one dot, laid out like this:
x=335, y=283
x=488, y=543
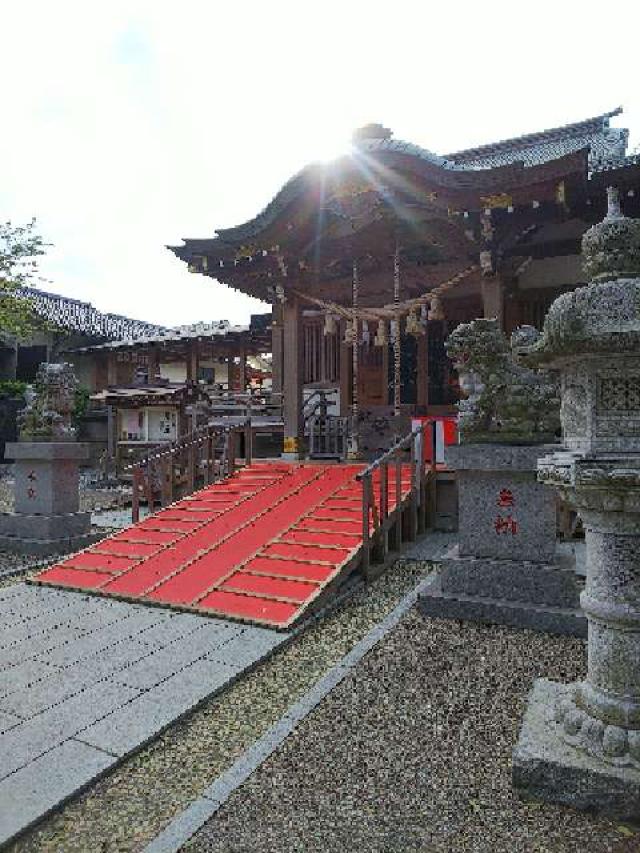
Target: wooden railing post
x=384, y=510
x=248, y=443
x=398, y=509
x=191, y=474
x=169, y=476
x=135, y=498
x=366, y=544
x=209, y=461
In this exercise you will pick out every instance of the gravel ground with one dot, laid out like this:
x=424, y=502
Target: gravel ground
x=412, y=753
x=128, y=808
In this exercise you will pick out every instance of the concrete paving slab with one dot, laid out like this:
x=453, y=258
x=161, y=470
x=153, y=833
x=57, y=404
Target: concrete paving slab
x=8, y=721
x=161, y=664
x=85, y=681
x=136, y=723
x=246, y=648
x=15, y=612
x=45, y=783
x=43, y=644
x=63, y=683
x=29, y=672
x=32, y=738
x=173, y=627
x=86, y=646
x=34, y=628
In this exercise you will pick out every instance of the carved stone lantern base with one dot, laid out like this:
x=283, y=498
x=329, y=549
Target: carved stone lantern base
x=549, y=764
x=47, y=519
x=580, y=743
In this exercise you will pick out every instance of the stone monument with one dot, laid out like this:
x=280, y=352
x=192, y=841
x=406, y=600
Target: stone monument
x=580, y=743
x=504, y=568
x=46, y=519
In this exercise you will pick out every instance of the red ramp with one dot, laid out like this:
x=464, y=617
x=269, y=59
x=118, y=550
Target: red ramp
x=260, y=546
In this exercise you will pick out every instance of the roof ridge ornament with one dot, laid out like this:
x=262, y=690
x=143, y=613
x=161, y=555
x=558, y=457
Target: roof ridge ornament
x=374, y=130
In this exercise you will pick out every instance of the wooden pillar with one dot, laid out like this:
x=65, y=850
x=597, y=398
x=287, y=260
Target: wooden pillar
x=292, y=378
x=193, y=360
x=112, y=426
x=422, y=373
x=276, y=350
x=153, y=365
x=493, y=299
x=112, y=369
x=242, y=368
x=345, y=374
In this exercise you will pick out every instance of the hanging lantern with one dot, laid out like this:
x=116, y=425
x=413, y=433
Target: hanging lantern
x=436, y=310
x=393, y=331
x=329, y=324
x=413, y=326
x=366, y=334
x=381, y=339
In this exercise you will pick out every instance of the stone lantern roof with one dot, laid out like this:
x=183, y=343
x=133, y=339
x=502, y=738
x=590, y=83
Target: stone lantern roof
x=605, y=315
x=611, y=248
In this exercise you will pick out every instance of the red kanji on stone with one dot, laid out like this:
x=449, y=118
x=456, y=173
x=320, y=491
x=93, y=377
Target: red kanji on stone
x=505, y=498
x=31, y=493
x=506, y=524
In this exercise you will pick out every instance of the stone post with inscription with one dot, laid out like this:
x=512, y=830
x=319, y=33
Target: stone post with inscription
x=580, y=743
x=504, y=568
x=47, y=517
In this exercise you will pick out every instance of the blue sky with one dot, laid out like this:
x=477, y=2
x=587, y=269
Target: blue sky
x=131, y=125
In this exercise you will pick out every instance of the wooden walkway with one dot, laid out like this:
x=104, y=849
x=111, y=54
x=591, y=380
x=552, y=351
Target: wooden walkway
x=262, y=546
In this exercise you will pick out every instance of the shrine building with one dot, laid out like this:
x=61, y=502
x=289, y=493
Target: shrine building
x=371, y=260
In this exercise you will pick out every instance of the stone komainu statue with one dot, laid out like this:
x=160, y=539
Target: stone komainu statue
x=505, y=402
x=50, y=404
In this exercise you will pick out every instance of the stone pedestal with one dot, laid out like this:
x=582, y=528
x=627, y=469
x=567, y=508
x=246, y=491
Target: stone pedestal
x=504, y=568
x=47, y=519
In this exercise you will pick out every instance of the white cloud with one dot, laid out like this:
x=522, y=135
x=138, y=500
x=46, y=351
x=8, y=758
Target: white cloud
x=131, y=125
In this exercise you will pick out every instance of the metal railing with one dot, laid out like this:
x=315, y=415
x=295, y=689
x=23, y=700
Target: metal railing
x=383, y=529
x=173, y=471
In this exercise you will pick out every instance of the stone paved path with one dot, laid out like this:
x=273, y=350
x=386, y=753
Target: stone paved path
x=85, y=681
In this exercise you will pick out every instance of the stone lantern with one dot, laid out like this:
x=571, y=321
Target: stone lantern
x=47, y=517
x=580, y=743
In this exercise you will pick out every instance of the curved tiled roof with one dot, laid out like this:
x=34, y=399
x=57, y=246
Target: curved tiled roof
x=606, y=148
x=72, y=315
x=606, y=144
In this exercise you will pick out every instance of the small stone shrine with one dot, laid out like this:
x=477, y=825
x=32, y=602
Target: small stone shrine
x=504, y=568
x=47, y=457
x=580, y=743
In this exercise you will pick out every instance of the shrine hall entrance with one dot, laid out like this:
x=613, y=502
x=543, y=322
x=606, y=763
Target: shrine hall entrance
x=372, y=376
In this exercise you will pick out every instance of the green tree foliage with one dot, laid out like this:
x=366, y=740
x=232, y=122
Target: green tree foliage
x=20, y=246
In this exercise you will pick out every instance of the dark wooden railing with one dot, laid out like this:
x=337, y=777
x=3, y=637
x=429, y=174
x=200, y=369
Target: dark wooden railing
x=202, y=457
x=383, y=529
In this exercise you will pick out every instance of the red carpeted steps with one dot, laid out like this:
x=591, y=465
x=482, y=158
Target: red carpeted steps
x=262, y=545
